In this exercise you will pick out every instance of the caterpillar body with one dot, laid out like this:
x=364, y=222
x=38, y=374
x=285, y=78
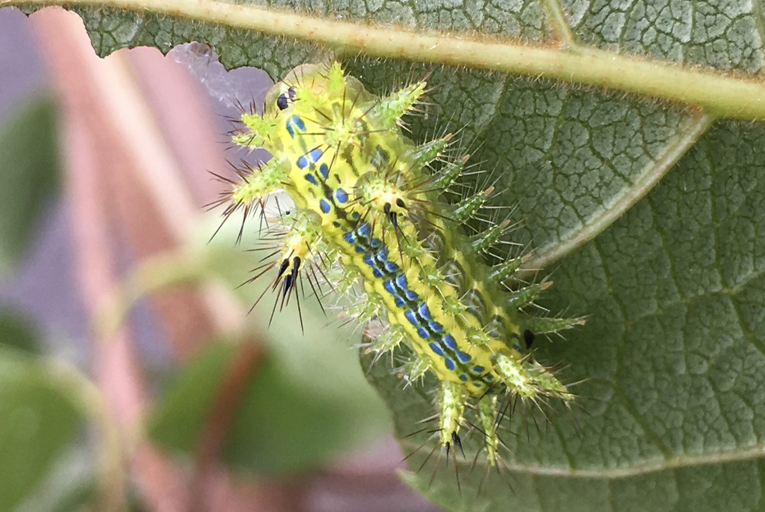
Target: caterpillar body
x=367, y=198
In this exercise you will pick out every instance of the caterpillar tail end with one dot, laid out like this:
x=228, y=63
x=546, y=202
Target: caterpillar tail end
x=452, y=408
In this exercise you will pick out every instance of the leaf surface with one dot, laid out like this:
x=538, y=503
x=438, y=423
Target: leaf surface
x=673, y=351
x=648, y=215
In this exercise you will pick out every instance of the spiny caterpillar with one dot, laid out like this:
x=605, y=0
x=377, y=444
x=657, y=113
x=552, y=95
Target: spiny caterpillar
x=367, y=198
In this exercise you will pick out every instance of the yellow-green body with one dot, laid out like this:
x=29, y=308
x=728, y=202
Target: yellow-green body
x=364, y=195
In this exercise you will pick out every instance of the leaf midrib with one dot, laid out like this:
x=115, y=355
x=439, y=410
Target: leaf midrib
x=641, y=468
x=724, y=96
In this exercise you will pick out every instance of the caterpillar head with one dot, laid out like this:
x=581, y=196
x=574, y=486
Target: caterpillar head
x=311, y=85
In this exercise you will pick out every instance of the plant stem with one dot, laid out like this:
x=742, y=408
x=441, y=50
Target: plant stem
x=90, y=400
x=152, y=275
x=720, y=95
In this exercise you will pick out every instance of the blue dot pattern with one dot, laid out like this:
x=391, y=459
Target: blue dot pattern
x=417, y=313
x=293, y=123
x=314, y=155
x=309, y=158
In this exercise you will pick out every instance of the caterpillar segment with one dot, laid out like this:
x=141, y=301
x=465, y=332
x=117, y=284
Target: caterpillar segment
x=367, y=195
x=293, y=249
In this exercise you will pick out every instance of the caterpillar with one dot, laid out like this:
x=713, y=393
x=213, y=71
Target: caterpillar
x=367, y=199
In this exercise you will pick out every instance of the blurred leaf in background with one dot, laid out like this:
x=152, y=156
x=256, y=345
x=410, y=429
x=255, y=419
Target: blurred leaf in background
x=29, y=175
x=18, y=332
x=39, y=421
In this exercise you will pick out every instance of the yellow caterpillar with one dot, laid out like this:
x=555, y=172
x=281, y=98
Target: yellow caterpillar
x=365, y=198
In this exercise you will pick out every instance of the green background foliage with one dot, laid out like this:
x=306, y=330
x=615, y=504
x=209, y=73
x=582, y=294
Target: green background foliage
x=29, y=170
x=39, y=420
x=307, y=400
x=672, y=415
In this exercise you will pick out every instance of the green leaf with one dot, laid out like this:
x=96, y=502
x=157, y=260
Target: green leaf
x=726, y=35
x=649, y=215
x=309, y=399
x=18, y=332
x=305, y=401
x=39, y=421
x=28, y=175
x=69, y=485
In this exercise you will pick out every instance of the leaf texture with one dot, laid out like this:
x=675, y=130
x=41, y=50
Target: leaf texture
x=647, y=215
